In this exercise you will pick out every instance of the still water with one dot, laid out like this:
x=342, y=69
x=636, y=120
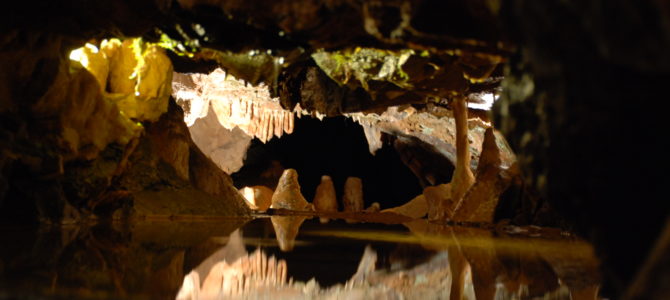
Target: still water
x=294, y=257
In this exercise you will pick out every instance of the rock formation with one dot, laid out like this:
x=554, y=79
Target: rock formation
x=352, y=197
x=325, y=198
x=373, y=208
x=415, y=208
x=258, y=197
x=106, y=112
x=480, y=201
x=287, y=195
x=234, y=103
x=568, y=72
x=463, y=177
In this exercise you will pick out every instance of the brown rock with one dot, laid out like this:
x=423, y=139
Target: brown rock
x=287, y=195
x=481, y=199
x=226, y=147
x=353, y=195
x=463, y=177
x=373, y=208
x=352, y=199
x=258, y=197
x=325, y=198
x=439, y=201
x=415, y=208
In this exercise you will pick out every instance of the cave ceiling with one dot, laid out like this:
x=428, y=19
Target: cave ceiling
x=397, y=55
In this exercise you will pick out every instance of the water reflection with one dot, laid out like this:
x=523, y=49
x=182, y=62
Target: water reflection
x=286, y=230
x=231, y=258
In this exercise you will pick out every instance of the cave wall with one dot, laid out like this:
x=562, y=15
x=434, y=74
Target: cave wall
x=73, y=132
x=581, y=105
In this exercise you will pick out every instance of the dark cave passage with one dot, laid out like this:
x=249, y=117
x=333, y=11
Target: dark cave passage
x=336, y=147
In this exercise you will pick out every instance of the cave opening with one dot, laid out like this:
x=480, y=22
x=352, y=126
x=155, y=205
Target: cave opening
x=334, y=146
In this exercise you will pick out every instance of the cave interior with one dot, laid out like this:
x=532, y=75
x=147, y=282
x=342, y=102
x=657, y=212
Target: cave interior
x=194, y=149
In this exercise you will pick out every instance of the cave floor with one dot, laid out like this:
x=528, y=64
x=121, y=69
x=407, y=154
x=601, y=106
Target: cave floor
x=294, y=256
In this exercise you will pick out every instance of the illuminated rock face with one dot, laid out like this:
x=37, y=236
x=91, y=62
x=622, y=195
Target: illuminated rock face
x=235, y=103
x=258, y=197
x=226, y=147
x=287, y=195
x=110, y=152
x=136, y=76
x=435, y=126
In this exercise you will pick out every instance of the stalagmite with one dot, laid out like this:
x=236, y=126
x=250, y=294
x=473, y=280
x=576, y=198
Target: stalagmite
x=286, y=230
x=258, y=197
x=325, y=198
x=480, y=201
x=287, y=195
x=415, y=208
x=352, y=199
x=373, y=208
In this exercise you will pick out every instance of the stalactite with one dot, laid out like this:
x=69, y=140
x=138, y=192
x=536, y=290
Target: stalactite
x=248, y=107
x=247, y=274
x=463, y=177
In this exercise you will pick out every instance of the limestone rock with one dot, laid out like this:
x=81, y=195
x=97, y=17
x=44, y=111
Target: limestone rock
x=288, y=195
x=480, y=202
x=373, y=208
x=235, y=104
x=439, y=200
x=463, y=177
x=325, y=198
x=235, y=279
x=352, y=198
x=258, y=197
x=142, y=76
x=415, y=208
x=226, y=147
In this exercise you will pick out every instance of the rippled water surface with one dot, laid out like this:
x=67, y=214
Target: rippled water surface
x=293, y=257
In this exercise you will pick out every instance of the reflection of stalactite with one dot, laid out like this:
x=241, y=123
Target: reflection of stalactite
x=249, y=273
x=236, y=104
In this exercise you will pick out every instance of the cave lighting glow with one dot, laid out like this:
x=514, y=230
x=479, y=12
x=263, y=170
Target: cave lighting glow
x=78, y=54
x=488, y=98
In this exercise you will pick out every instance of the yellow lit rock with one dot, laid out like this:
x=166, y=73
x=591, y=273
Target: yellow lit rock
x=136, y=76
x=88, y=120
x=122, y=62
